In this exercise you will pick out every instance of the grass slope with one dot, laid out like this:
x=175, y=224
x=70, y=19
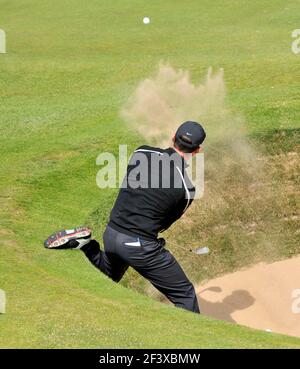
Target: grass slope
x=69, y=67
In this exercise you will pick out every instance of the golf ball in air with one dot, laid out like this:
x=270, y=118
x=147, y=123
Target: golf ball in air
x=146, y=20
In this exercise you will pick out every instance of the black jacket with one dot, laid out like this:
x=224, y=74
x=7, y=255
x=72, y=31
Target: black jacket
x=155, y=192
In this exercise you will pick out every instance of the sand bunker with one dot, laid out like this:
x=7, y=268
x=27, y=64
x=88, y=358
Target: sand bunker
x=261, y=297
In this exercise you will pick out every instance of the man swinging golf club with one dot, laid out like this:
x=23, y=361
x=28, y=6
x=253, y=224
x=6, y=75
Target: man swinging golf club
x=155, y=192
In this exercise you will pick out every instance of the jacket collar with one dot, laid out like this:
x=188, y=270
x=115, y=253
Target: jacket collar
x=172, y=151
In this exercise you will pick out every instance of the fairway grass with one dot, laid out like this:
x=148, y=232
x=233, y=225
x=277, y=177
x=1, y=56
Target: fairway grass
x=69, y=68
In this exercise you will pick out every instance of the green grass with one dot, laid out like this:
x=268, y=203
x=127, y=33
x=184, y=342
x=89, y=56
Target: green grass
x=69, y=67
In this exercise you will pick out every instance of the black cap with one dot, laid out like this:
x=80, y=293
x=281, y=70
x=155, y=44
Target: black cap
x=190, y=135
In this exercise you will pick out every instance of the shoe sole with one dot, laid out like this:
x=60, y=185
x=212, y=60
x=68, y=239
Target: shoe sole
x=59, y=240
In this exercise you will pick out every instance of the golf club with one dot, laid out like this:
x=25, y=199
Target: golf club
x=198, y=251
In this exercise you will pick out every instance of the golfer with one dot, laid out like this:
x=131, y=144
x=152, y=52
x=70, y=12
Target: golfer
x=156, y=191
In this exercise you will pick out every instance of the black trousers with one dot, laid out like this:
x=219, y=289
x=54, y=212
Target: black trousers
x=150, y=259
